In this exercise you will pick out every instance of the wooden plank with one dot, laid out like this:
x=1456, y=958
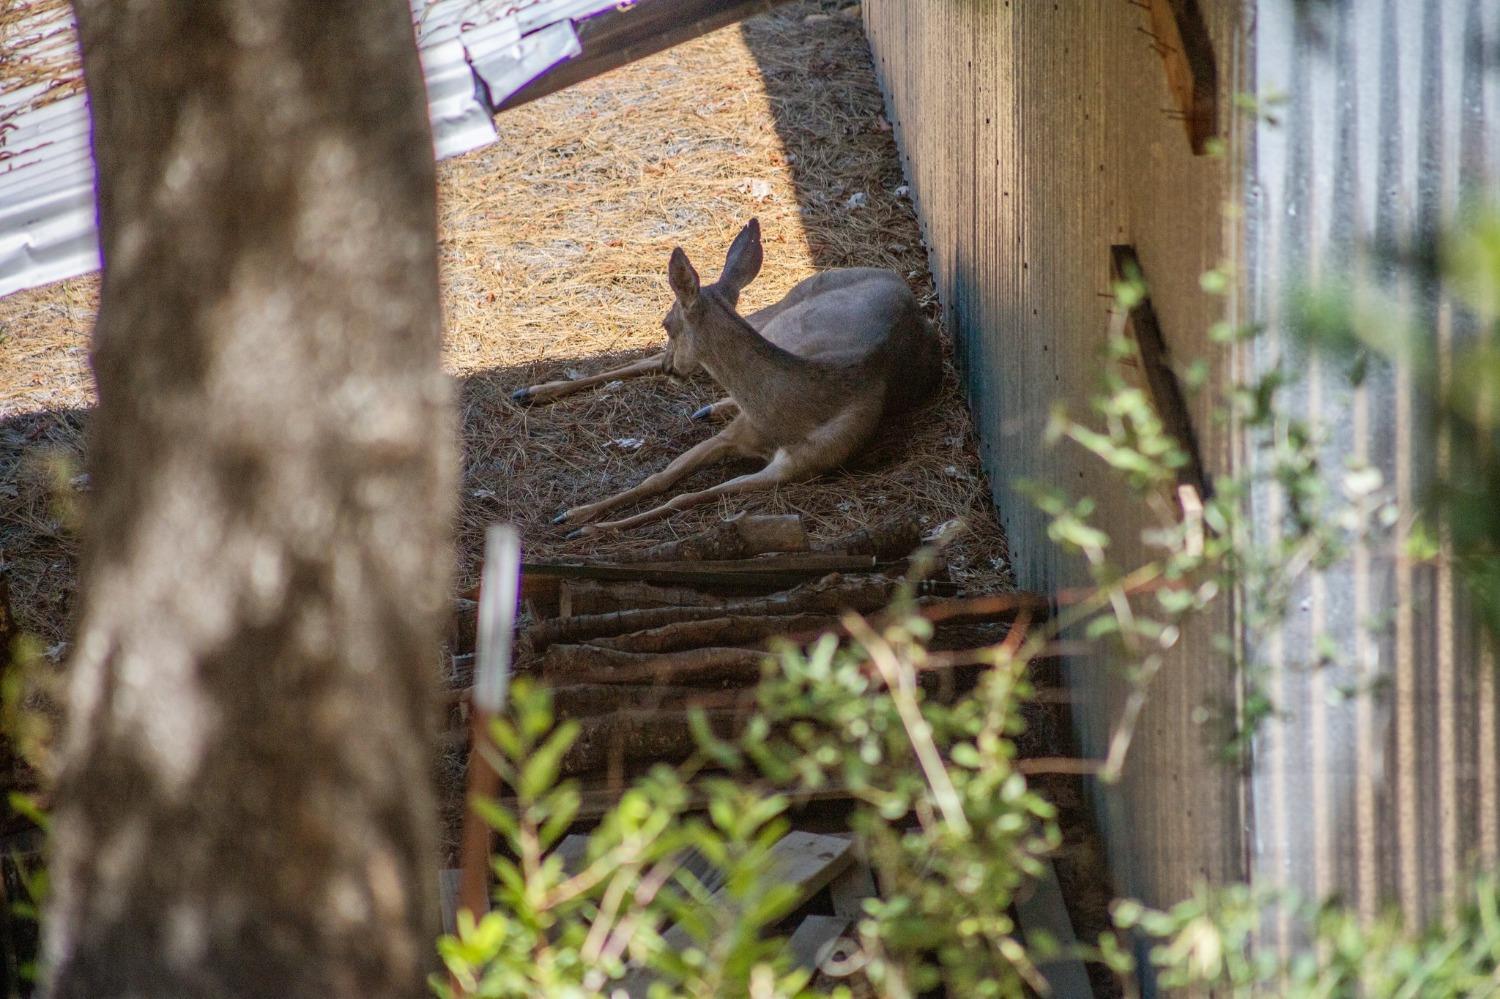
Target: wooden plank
x=632, y=31
x=573, y=849
x=814, y=940
x=806, y=861
x=1041, y=911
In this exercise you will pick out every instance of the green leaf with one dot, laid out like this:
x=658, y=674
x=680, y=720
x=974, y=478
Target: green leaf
x=498, y=818
x=540, y=771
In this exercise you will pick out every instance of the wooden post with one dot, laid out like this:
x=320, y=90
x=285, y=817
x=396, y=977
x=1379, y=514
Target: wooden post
x=498, y=593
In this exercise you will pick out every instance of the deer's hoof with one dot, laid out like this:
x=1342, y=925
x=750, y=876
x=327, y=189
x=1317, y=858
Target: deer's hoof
x=561, y=518
x=702, y=413
x=521, y=395
x=582, y=532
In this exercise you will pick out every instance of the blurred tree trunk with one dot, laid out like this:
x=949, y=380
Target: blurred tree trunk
x=244, y=804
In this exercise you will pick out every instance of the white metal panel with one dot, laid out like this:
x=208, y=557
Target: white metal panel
x=47, y=196
x=507, y=64
x=474, y=55
x=460, y=121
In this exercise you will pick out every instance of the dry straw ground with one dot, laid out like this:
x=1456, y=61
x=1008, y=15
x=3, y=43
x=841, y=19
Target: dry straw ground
x=554, y=244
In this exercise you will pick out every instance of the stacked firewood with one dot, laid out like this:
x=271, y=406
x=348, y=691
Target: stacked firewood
x=627, y=648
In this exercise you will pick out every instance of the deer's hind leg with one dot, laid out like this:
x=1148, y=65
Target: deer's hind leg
x=738, y=440
x=548, y=391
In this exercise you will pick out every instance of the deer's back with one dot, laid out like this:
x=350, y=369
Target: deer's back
x=862, y=319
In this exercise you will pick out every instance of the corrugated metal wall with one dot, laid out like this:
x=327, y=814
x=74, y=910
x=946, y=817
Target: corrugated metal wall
x=1034, y=136
x=1037, y=134
x=1385, y=120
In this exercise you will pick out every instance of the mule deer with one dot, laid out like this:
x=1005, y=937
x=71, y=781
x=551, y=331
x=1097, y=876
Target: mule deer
x=809, y=378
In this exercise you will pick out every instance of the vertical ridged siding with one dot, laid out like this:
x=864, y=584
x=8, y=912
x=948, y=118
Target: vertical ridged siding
x=1034, y=136
x=1392, y=797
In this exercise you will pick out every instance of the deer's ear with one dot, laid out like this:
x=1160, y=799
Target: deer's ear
x=683, y=279
x=744, y=259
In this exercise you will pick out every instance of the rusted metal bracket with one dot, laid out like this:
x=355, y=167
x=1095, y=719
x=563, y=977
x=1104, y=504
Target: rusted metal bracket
x=1182, y=41
x=1161, y=379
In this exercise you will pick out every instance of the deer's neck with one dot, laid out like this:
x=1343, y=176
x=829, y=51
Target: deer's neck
x=754, y=371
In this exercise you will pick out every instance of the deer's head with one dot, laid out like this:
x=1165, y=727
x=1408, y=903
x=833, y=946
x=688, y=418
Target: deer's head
x=685, y=320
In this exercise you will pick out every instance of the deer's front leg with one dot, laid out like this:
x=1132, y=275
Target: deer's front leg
x=548, y=391
x=729, y=442
x=781, y=468
x=726, y=408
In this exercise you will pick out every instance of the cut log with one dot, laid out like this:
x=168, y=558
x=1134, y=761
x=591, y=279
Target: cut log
x=888, y=540
x=777, y=571
x=586, y=700
x=738, y=537
x=715, y=631
x=831, y=595
x=541, y=581
x=626, y=737
x=579, y=597
x=714, y=665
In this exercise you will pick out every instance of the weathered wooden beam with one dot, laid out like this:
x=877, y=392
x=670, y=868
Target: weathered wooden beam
x=1161, y=377
x=1182, y=40
x=633, y=31
x=625, y=737
x=831, y=595
x=716, y=631
x=579, y=597
x=738, y=537
x=815, y=938
x=717, y=666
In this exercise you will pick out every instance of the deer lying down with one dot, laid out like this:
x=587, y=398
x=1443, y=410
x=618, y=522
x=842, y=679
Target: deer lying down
x=809, y=378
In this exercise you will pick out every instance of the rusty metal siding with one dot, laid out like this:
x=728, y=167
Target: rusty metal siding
x=1385, y=798
x=1035, y=136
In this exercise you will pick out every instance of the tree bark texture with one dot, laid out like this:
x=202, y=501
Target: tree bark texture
x=244, y=804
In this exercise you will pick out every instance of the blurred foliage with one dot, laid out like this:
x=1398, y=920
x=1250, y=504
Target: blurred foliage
x=564, y=932
x=947, y=822
x=1196, y=551
x=1209, y=941
x=1457, y=384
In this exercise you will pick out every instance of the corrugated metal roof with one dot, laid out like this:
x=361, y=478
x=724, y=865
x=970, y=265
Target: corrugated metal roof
x=474, y=55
